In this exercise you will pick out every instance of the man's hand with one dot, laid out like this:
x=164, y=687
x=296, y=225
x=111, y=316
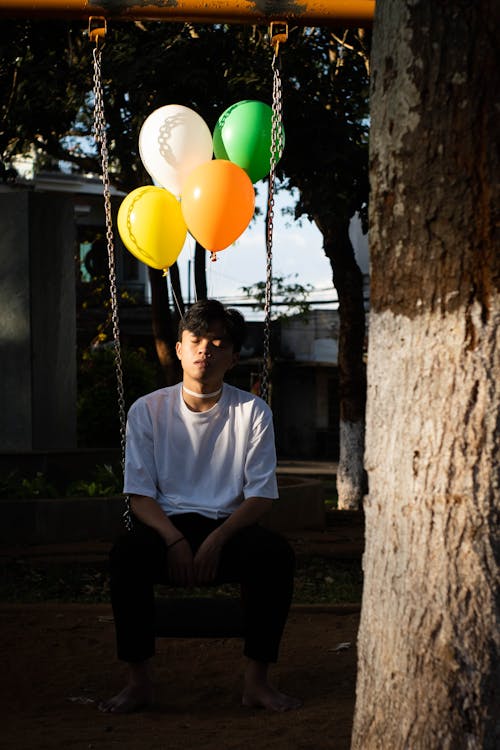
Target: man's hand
x=207, y=557
x=180, y=564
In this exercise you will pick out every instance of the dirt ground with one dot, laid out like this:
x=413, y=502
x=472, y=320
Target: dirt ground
x=58, y=661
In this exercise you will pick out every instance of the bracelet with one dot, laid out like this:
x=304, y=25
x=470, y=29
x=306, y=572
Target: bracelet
x=176, y=542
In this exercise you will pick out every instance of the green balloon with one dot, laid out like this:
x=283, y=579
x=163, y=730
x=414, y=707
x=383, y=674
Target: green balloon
x=243, y=135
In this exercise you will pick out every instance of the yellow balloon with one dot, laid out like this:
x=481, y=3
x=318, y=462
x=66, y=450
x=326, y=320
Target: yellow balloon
x=151, y=226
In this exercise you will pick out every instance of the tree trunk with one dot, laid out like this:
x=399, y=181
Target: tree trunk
x=200, y=274
x=164, y=325
x=175, y=280
x=348, y=281
x=428, y=665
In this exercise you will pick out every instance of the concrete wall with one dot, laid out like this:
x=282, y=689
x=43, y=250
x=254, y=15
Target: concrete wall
x=37, y=322
x=63, y=520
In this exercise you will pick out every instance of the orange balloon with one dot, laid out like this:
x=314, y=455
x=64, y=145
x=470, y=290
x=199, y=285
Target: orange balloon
x=217, y=202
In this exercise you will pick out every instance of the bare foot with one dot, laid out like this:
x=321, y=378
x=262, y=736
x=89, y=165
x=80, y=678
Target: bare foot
x=132, y=698
x=265, y=696
x=258, y=693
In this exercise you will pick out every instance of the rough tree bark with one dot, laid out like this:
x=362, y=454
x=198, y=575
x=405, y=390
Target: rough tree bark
x=428, y=672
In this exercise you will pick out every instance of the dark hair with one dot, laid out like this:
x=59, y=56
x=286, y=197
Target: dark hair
x=204, y=313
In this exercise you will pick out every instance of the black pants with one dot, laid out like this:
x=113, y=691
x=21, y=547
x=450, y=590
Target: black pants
x=261, y=561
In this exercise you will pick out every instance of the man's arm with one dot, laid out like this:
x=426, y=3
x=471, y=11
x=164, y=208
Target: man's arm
x=149, y=512
x=180, y=557
x=251, y=510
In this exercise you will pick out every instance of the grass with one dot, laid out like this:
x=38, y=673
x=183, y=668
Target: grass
x=23, y=582
x=318, y=581
x=327, y=581
x=331, y=495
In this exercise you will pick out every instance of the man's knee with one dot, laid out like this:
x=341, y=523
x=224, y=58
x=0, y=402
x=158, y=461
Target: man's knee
x=123, y=554
x=131, y=552
x=283, y=554
x=270, y=552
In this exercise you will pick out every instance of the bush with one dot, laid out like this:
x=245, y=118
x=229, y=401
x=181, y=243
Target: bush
x=105, y=482
x=17, y=486
x=97, y=405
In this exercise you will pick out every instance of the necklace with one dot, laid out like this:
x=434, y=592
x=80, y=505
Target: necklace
x=202, y=395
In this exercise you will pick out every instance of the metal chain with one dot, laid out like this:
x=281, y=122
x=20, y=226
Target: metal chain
x=276, y=150
x=101, y=139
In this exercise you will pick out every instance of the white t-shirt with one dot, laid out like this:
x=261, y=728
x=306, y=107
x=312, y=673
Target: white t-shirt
x=200, y=462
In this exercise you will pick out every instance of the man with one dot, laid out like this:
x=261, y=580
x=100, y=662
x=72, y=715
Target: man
x=200, y=472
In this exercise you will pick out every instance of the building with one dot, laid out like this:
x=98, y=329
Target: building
x=48, y=227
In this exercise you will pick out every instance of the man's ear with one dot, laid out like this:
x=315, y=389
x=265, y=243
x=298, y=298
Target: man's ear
x=178, y=349
x=235, y=360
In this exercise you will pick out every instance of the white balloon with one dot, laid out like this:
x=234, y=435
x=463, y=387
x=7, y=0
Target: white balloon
x=173, y=141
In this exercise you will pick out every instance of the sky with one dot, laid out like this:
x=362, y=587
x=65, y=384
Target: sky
x=297, y=249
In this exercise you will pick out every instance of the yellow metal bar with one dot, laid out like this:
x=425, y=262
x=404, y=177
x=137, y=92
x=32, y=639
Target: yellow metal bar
x=302, y=12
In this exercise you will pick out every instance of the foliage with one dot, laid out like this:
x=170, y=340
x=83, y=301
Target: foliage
x=95, y=294
x=208, y=68
x=97, y=406
x=14, y=485
x=41, y=85
x=291, y=297
x=97, y=402
x=106, y=481
x=327, y=137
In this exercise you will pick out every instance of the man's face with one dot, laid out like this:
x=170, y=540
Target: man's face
x=206, y=358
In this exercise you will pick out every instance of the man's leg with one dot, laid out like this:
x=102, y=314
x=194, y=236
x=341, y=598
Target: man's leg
x=264, y=563
x=261, y=561
x=137, y=562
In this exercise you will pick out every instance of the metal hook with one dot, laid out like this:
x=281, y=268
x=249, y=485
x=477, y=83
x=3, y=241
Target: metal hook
x=97, y=29
x=278, y=35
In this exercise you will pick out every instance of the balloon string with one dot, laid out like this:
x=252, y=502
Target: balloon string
x=179, y=310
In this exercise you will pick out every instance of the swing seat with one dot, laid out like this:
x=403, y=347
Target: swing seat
x=199, y=617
